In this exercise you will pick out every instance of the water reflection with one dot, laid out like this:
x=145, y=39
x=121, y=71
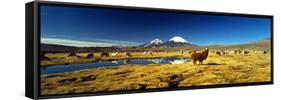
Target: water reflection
x=74, y=67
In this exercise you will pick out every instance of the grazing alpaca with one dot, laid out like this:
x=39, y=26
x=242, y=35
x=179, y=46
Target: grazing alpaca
x=224, y=53
x=218, y=53
x=114, y=54
x=189, y=52
x=43, y=57
x=239, y=51
x=199, y=56
x=73, y=55
x=127, y=54
x=181, y=51
x=90, y=56
x=104, y=54
x=246, y=52
x=147, y=53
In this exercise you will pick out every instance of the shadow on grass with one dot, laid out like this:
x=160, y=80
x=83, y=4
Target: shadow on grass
x=215, y=64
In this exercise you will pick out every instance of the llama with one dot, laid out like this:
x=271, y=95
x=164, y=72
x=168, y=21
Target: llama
x=218, y=53
x=104, y=54
x=89, y=56
x=189, y=52
x=181, y=51
x=73, y=55
x=224, y=53
x=199, y=56
x=231, y=52
x=147, y=53
x=127, y=54
x=246, y=52
x=43, y=57
x=237, y=51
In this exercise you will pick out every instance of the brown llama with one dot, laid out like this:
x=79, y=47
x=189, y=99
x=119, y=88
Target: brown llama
x=43, y=57
x=72, y=54
x=199, y=56
x=89, y=56
x=128, y=54
x=104, y=54
x=218, y=53
x=246, y=52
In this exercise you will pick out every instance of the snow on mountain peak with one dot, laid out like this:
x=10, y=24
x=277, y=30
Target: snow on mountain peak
x=156, y=41
x=178, y=39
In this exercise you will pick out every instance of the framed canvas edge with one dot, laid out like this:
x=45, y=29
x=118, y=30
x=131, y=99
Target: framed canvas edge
x=37, y=48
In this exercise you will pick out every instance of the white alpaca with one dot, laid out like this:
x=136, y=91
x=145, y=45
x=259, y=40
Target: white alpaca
x=114, y=54
x=145, y=53
x=150, y=52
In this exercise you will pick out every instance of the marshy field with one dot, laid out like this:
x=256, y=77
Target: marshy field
x=65, y=74
x=93, y=50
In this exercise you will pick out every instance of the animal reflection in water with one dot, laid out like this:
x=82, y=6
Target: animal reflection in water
x=156, y=61
x=124, y=62
x=178, y=61
x=74, y=67
x=114, y=62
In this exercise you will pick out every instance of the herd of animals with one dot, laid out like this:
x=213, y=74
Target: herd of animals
x=195, y=55
x=43, y=56
x=200, y=57
x=238, y=52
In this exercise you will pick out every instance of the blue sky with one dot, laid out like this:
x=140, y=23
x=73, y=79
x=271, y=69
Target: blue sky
x=86, y=27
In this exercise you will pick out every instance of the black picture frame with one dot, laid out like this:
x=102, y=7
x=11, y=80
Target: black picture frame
x=32, y=72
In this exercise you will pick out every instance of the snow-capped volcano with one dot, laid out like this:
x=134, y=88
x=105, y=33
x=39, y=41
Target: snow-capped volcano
x=175, y=42
x=156, y=41
x=179, y=39
x=153, y=43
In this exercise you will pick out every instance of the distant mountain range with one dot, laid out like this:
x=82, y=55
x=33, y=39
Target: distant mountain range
x=175, y=42
x=157, y=44
x=263, y=44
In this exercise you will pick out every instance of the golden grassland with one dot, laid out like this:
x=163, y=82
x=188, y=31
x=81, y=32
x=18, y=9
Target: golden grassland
x=230, y=69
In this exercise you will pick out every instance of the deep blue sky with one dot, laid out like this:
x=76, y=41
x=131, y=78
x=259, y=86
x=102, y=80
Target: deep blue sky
x=87, y=26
